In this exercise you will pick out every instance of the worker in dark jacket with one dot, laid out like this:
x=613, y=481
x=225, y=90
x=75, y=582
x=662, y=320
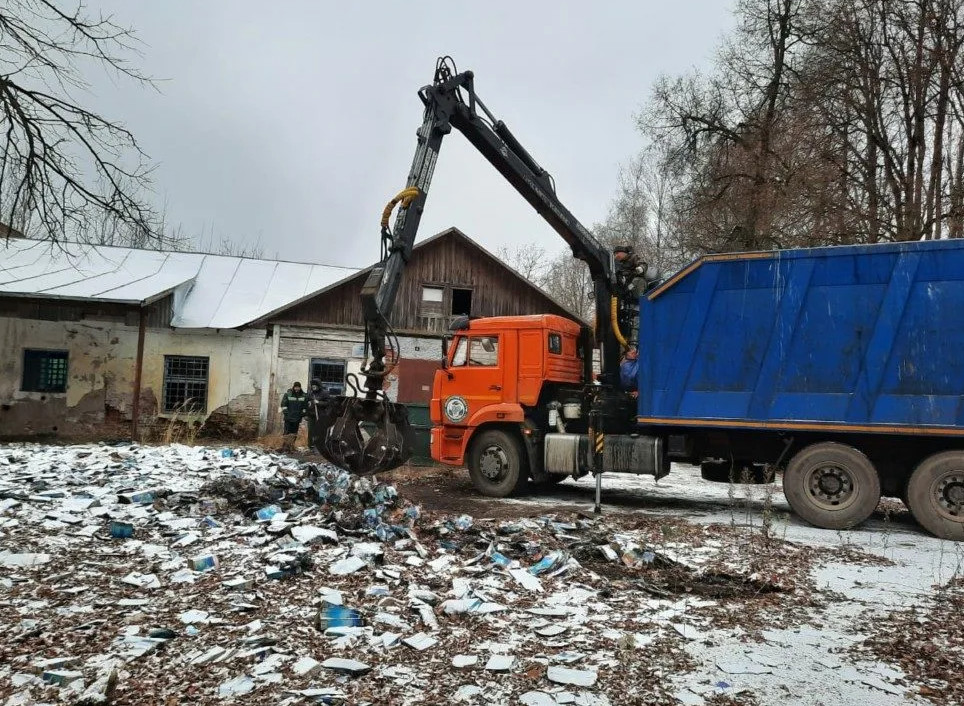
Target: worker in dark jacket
x=319, y=402
x=628, y=370
x=293, y=406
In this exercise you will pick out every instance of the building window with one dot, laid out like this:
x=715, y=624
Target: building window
x=44, y=371
x=461, y=302
x=331, y=373
x=433, y=294
x=186, y=383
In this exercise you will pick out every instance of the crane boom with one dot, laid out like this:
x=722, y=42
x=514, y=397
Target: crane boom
x=450, y=101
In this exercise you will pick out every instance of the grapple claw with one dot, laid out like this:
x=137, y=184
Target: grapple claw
x=364, y=436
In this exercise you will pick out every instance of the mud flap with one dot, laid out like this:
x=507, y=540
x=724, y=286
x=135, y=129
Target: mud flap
x=533, y=445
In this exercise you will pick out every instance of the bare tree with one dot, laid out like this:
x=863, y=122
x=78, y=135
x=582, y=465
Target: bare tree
x=567, y=280
x=722, y=130
x=529, y=260
x=64, y=169
x=642, y=213
x=822, y=122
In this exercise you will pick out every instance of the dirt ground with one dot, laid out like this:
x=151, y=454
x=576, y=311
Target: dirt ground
x=444, y=489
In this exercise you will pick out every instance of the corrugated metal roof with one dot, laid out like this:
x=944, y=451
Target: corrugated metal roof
x=219, y=291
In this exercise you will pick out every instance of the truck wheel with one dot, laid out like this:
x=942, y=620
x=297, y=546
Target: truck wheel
x=495, y=464
x=935, y=495
x=831, y=485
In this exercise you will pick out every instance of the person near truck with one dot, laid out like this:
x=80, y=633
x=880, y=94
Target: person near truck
x=628, y=370
x=319, y=402
x=293, y=407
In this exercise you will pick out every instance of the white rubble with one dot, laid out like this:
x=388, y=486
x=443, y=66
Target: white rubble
x=361, y=599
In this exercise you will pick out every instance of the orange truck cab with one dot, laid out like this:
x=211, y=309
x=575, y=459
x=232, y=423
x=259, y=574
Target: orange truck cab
x=505, y=381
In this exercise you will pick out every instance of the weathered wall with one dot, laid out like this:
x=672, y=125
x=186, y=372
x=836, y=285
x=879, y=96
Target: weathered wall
x=299, y=344
x=100, y=368
x=101, y=359
x=237, y=366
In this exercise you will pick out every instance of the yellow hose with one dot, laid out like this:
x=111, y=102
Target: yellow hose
x=404, y=197
x=613, y=307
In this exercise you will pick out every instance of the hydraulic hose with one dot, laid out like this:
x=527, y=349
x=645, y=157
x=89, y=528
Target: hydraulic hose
x=613, y=309
x=404, y=197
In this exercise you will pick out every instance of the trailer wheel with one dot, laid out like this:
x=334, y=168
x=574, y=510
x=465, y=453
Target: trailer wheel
x=495, y=464
x=935, y=495
x=831, y=485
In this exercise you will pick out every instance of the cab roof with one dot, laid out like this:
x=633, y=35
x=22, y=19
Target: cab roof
x=547, y=321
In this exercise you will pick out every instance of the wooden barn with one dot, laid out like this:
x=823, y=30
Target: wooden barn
x=449, y=275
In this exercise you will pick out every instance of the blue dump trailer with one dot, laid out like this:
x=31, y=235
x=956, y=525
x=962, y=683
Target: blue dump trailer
x=843, y=366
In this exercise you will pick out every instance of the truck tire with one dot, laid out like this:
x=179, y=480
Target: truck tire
x=831, y=485
x=495, y=464
x=935, y=495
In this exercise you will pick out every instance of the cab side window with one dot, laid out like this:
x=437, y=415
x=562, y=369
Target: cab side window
x=555, y=343
x=484, y=350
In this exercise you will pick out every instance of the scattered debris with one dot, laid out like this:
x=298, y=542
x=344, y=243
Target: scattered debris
x=350, y=666
x=126, y=568
x=500, y=663
x=576, y=677
x=23, y=560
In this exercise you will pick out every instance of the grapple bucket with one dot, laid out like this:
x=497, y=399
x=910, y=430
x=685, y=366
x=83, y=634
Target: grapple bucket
x=364, y=436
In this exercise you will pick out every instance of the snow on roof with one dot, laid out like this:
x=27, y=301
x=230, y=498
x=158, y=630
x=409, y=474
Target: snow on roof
x=218, y=291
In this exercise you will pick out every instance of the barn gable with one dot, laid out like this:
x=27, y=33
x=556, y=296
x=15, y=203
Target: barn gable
x=448, y=275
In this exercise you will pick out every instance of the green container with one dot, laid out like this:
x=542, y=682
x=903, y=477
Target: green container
x=418, y=416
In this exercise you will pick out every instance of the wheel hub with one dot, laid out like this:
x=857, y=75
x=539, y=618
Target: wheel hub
x=831, y=486
x=950, y=493
x=493, y=463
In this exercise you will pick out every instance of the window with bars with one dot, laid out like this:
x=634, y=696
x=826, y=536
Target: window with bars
x=44, y=371
x=331, y=373
x=186, y=384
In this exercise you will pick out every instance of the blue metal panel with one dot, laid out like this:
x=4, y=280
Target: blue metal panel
x=851, y=336
x=889, y=316
x=791, y=298
x=689, y=338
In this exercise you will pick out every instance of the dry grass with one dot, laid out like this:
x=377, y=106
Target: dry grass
x=181, y=431
x=284, y=444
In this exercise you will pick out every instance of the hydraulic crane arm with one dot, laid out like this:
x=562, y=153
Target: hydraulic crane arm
x=451, y=101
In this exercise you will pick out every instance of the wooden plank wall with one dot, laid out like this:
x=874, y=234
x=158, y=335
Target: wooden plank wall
x=449, y=261
x=158, y=313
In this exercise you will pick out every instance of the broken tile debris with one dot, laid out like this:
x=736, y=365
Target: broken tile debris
x=262, y=575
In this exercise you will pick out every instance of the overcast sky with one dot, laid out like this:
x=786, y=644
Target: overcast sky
x=294, y=122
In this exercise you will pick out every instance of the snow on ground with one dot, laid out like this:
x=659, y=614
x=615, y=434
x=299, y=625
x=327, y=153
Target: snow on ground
x=681, y=592
x=800, y=666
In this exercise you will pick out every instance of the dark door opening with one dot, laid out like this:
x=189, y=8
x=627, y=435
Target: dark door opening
x=461, y=302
